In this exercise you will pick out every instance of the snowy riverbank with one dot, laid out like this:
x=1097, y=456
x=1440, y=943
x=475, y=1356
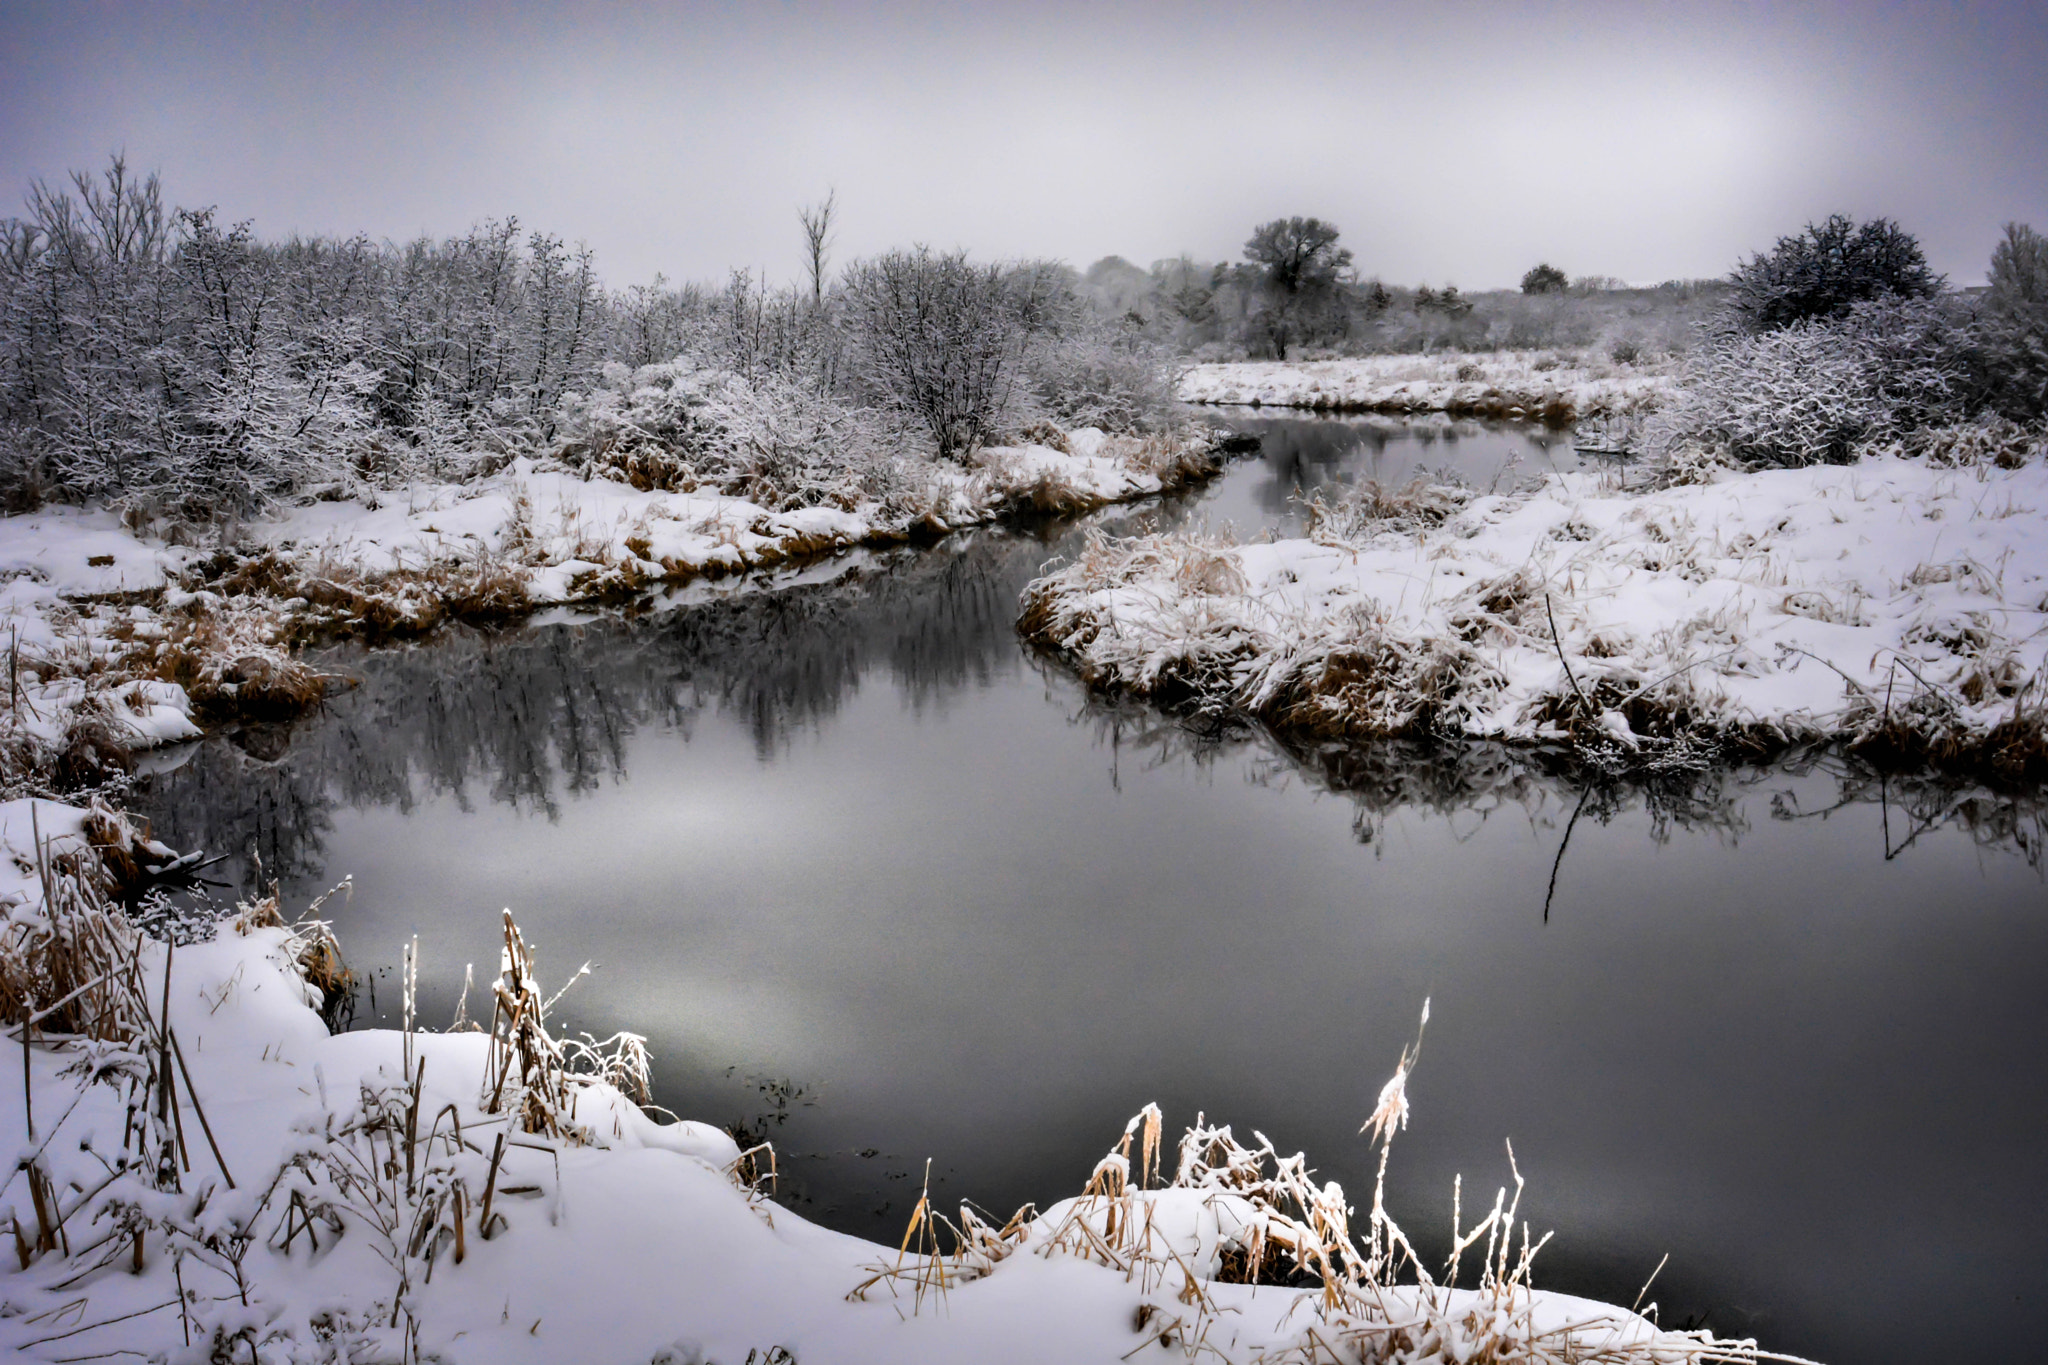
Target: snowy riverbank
x=1890, y=605
x=116, y=639
x=242, y=1184
x=1555, y=386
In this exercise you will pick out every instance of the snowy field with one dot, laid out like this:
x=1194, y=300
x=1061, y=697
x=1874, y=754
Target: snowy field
x=1890, y=603
x=1551, y=385
x=208, y=1174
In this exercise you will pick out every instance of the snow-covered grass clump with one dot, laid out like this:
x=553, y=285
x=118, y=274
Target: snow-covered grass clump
x=1555, y=386
x=1892, y=605
x=205, y=1173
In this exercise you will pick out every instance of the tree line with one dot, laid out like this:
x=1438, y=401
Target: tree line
x=183, y=367
x=1297, y=290
x=179, y=366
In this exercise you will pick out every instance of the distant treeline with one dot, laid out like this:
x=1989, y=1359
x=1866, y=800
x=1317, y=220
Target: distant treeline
x=1269, y=306
x=173, y=363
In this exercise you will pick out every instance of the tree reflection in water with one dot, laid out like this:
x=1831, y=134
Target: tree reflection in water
x=531, y=716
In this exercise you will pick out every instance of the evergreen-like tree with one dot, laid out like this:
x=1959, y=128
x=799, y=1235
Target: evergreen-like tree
x=2014, y=325
x=1824, y=270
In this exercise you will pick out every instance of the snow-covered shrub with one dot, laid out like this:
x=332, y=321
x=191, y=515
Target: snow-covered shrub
x=1826, y=270
x=650, y=427
x=1987, y=439
x=752, y=329
x=777, y=438
x=181, y=365
x=1796, y=396
x=783, y=442
x=939, y=339
x=1816, y=390
x=1093, y=377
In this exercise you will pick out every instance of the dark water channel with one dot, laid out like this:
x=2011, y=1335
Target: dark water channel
x=881, y=884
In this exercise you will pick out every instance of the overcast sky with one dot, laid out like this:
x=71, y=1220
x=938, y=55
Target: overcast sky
x=1450, y=142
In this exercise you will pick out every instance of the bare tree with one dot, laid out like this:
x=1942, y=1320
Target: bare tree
x=817, y=222
x=939, y=338
x=1299, y=271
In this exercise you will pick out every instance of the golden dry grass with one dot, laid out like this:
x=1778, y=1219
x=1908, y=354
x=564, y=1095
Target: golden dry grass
x=1238, y=1214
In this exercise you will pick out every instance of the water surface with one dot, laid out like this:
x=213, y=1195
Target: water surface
x=882, y=884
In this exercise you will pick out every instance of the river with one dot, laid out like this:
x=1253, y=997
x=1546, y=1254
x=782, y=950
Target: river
x=881, y=884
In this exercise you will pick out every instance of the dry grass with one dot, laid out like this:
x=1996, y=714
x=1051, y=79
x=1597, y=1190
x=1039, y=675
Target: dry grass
x=1048, y=495
x=1178, y=458
x=535, y=1076
x=232, y=660
x=1373, y=509
x=331, y=594
x=385, y=1165
x=311, y=946
x=68, y=965
x=1171, y=619
x=1237, y=1214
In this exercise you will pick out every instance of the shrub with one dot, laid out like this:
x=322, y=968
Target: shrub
x=1824, y=271
x=1544, y=279
x=776, y=438
x=1816, y=390
x=649, y=427
x=939, y=339
x=783, y=442
x=1097, y=377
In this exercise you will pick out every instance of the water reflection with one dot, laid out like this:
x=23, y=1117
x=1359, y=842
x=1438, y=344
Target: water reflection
x=529, y=718
x=1328, y=454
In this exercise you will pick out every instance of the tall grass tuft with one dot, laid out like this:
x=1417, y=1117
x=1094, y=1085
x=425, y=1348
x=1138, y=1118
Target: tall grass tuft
x=1244, y=1214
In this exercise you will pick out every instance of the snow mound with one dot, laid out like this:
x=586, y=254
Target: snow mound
x=1512, y=384
x=1888, y=603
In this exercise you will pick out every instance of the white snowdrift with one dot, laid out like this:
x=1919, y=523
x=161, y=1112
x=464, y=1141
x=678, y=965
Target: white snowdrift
x=1559, y=386
x=1816, y=604
x=307, y=1209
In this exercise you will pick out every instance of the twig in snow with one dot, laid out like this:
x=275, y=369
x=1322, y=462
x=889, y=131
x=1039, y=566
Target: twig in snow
x=1558, y=644
x=193, y=1095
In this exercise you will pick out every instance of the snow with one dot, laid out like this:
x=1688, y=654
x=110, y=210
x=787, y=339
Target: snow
x=563, y=532
x=638, y=1242
x=56, y=661
x=1783, y=606
x=57, y=547
x=568, y=533
x=1555, y=385
x=103, y=632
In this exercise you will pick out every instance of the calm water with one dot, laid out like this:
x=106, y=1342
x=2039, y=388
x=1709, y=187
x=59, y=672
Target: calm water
x=883, y=885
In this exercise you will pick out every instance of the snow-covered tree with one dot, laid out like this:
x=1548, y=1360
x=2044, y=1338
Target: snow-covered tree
x=2015, y=324
x=1827, y=268
x=940, y=339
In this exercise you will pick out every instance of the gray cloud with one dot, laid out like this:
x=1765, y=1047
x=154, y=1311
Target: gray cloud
x=1458, y=142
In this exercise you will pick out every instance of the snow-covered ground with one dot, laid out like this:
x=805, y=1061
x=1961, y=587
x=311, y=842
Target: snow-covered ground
x=122, y=635
x=1552, y=385
x=397, y=1195
x=1890, y=602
